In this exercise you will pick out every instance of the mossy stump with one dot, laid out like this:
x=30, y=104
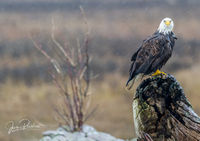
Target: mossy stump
x=161, y=110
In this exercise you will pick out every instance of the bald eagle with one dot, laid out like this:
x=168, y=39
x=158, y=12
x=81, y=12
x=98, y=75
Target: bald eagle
x=154, y=52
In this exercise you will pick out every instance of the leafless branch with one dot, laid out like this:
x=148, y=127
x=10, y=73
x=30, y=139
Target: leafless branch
x=59, y=45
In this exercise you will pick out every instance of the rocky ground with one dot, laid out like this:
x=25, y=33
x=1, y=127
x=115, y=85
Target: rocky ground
x=87, y=133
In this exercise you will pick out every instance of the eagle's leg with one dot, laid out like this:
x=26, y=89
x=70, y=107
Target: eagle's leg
x=158, y=72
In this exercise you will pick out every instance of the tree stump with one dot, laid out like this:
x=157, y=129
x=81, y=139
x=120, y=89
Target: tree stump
x=161, y=110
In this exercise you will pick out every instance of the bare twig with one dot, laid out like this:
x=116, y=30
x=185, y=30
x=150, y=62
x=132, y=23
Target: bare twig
x=59, y=45
x=53, y=61
x=91, y=113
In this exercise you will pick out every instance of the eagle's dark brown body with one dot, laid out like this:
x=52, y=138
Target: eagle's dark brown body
x=152, y=54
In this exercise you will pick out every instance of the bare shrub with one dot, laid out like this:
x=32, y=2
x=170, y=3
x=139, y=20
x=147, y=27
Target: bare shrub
x=72, y=77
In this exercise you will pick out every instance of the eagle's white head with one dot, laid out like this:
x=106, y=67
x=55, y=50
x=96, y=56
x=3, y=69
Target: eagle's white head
x=166, y=26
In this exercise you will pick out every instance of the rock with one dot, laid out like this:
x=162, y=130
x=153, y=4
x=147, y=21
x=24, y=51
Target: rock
x=87, y=133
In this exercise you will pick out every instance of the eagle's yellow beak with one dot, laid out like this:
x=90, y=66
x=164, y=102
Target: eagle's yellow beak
x=167, y=22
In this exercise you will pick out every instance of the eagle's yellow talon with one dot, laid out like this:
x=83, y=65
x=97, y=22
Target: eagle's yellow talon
x=164, y=73
x=158, y=72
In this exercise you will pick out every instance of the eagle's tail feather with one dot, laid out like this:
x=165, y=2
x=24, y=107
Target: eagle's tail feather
x=130, y=83
x=132, y=80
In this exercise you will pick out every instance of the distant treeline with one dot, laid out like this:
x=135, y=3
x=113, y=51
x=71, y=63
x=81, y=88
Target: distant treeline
x=43, y=5
x=105, y=54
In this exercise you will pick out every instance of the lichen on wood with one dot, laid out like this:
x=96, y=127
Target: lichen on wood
x=161, y=109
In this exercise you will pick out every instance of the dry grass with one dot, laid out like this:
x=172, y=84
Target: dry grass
x=20, y=101
x=190, y=81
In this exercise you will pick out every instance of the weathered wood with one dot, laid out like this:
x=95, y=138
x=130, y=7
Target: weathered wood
x=161, y=109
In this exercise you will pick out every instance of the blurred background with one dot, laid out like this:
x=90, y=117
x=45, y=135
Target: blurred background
x=117, y=29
